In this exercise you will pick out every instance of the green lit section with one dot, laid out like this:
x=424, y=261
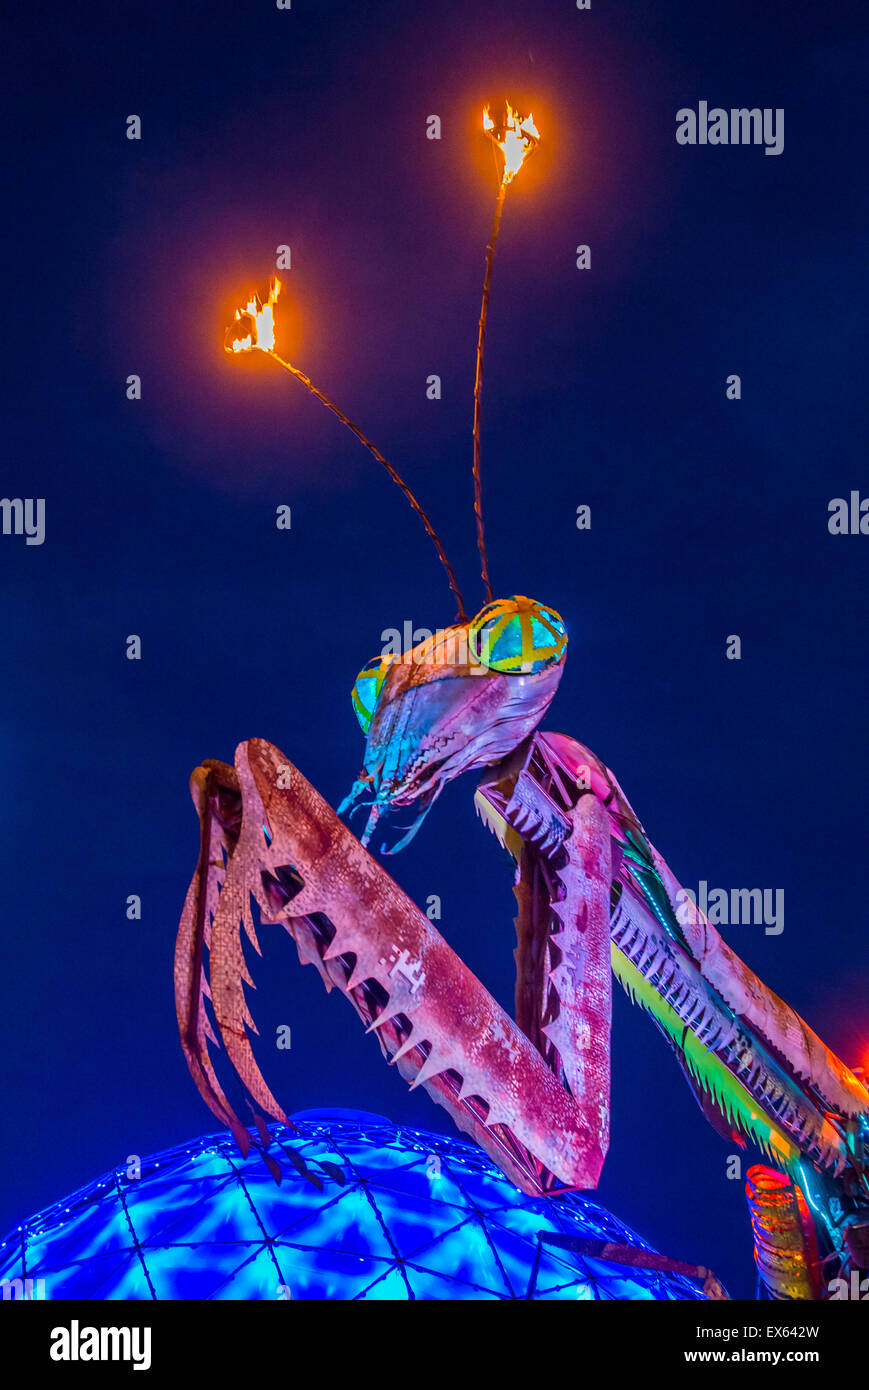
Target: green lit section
x=367, y=688
x=517, y=636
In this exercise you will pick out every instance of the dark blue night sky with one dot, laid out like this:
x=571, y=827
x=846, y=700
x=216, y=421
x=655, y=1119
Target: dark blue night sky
x=604, y=387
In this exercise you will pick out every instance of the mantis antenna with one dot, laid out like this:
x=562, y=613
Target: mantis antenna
x=253, y=330
x=515, y=137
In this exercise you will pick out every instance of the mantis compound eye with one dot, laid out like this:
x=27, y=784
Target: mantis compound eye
x=517, y=636
x=367, y=687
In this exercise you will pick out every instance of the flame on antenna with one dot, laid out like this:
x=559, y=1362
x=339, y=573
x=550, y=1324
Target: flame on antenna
x=515, y=136
x=254, y=325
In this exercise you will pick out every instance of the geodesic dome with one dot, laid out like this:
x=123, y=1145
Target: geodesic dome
x=365, y=1209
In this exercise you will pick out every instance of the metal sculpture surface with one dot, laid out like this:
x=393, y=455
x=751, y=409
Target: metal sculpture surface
x=595, y=898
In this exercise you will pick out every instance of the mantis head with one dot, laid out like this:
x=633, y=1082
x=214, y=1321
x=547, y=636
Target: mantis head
x=464, y=698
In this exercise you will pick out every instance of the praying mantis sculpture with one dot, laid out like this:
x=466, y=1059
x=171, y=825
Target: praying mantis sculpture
x=594, y=897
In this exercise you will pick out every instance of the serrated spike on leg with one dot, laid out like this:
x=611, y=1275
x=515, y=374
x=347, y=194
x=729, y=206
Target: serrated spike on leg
x=379, y=1021
x=335, y=948
x=410, y=1042
x=431, y=1067
x=358, y=975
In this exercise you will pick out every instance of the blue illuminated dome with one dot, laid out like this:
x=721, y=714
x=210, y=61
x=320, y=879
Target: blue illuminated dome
x=365, y=1209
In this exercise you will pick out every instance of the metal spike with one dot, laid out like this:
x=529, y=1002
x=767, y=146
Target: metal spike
x=335, y=948
x=408, y=1045
x=432, y=1066
x=358, y=975
x=384, y=1017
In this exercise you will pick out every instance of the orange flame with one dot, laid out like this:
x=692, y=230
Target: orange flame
x=254, y=325
x=515, y=137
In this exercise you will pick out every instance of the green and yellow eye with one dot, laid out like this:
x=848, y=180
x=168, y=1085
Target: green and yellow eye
x=517, y=636
x=367, y=687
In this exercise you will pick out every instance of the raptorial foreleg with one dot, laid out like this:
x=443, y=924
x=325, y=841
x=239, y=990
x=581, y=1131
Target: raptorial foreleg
x=215, y=792
x=563, y=975
x=294, y=859
x=563, y=890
